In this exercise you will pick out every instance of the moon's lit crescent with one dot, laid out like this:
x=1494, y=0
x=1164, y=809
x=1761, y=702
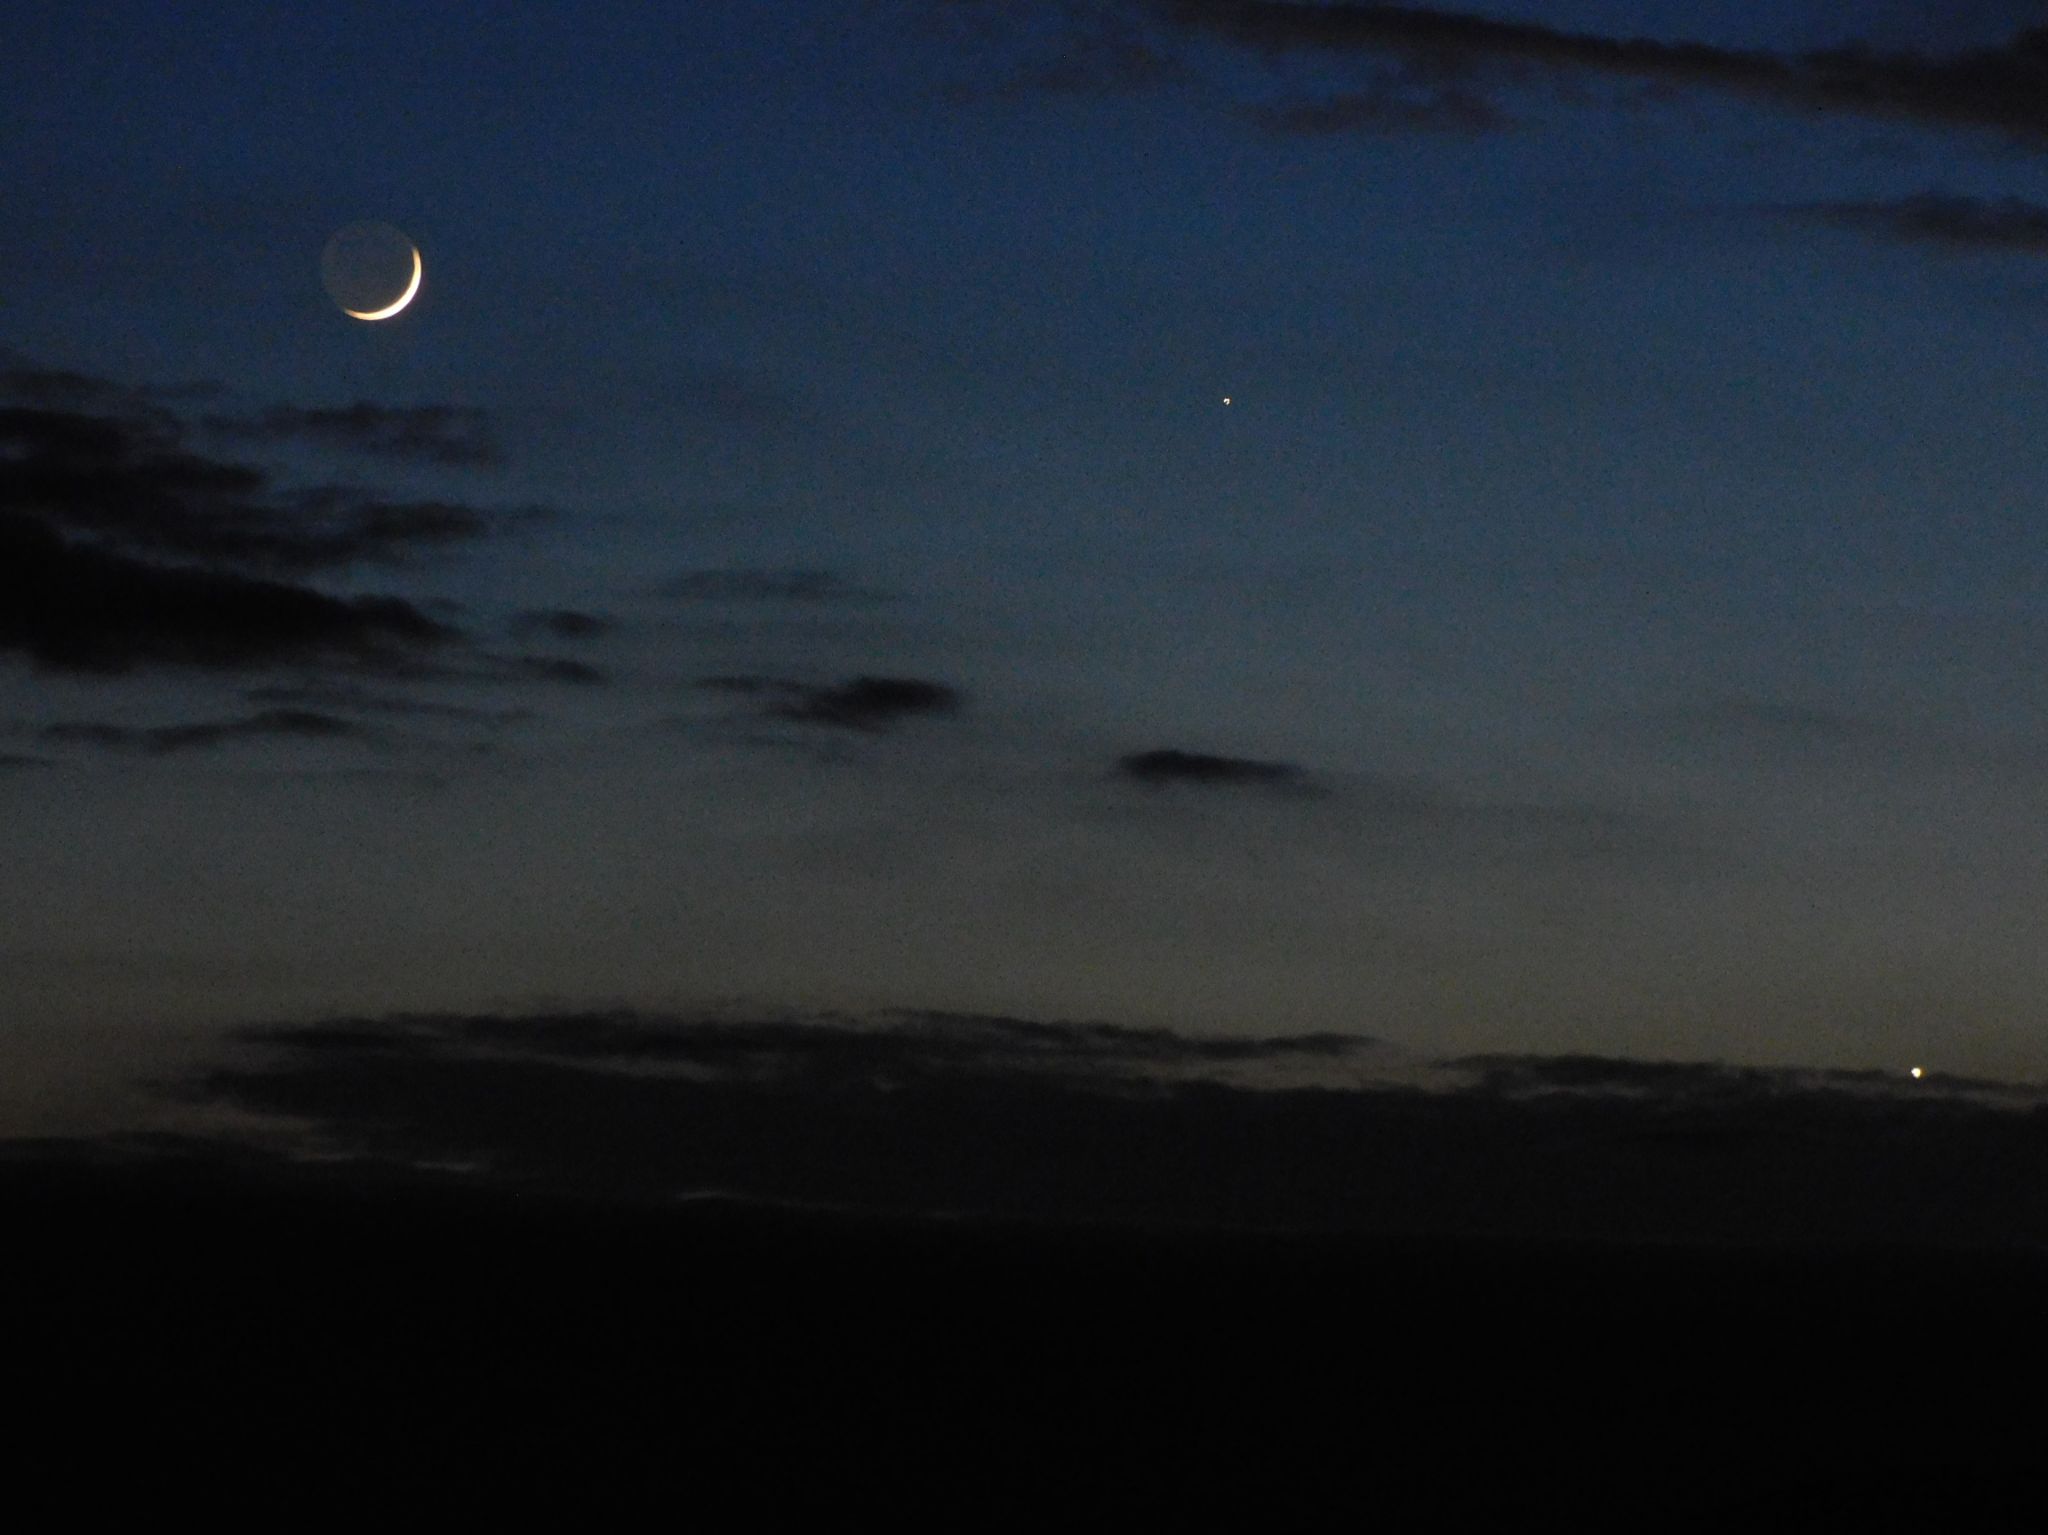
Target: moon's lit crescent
x=404, y=298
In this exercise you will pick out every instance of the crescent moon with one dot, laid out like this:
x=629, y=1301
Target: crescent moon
x=404, y=298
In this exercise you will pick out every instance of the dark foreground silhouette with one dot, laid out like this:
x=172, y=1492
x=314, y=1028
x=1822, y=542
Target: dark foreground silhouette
x=194, y=1341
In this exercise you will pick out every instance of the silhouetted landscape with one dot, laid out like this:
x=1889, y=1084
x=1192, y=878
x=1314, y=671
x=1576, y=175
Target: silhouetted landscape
x=243, y=1340
x=980, y=1270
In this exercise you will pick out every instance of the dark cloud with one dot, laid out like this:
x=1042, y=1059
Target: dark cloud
x=329, y=695
x=867, y=704
x=340, y=525
x=743, y=585
x=1091, y=51
x=2001, y=88
x=72, y=606
x=1411, y=815
x=453, y=436
x=129, y=480
x=1101, y=62
x=12, y=761
x=111, y=461
x=125, y=477
x=871, y=703
x=125, y=547
x=1942, y=219
x=561, y=624
x=1167, y=766
x=997, y=1116
x=549, y=669
x=1670, y=1080
x=60, y=389
x=1674, y=1082
x=897, y=1046
x=1448, y=68
x=1392, y=107
x=160, y=740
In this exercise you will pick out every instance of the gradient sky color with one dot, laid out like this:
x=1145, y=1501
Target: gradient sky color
x=1608, y=617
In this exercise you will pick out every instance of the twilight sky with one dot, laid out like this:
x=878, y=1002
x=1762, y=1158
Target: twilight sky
x=796, y=548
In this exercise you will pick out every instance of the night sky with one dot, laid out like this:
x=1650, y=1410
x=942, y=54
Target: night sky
x=796, y=555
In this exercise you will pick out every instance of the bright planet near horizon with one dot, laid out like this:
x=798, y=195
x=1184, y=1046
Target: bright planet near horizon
x=371, y=270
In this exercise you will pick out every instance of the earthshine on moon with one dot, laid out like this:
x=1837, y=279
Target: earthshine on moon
x=411, y=288
x=371, y=271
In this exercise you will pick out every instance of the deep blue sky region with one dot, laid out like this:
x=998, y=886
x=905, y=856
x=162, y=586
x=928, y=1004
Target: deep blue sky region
x=796, y=547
